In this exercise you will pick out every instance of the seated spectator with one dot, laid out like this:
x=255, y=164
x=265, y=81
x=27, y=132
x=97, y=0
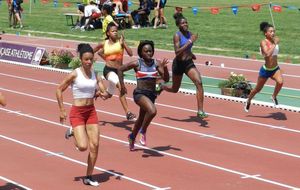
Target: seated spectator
x=121, y=17
x=91, y=12
x=140, y=16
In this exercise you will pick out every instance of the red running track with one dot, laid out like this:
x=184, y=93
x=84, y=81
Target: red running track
x=229, y=150
x=247, y=67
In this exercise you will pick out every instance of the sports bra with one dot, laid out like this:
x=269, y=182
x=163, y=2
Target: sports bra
x=146, y=72
x=83, y=87
x=113, y=52
x=184, y=40
x=275, y=51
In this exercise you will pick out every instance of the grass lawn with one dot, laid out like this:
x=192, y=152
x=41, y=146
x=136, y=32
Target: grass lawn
x=222, y=34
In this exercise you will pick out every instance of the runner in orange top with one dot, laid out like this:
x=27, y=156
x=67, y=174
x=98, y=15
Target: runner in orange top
x=112, y=51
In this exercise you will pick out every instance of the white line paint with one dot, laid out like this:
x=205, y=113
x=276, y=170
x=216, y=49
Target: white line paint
x=250, y=176
x=170, y=106
x=79, y=162
x=15, y=183
x=157, y=124
x=186, y=91
x=161, y=50
x=160, y=152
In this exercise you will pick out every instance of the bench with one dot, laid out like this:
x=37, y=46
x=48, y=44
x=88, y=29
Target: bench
x=69, y=18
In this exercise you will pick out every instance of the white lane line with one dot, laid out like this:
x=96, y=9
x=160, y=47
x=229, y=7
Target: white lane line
x=246, y=70
x=79, y=162
x=256, y=61
x=161, y=125
x=176, y=156
x=170, y=154
x=179, y=108
x=15, y=183
x=250, y=176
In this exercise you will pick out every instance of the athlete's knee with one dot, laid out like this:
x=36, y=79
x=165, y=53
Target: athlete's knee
x=82, y=147
x=279, y=82
x=94, y=147
x=152, y=112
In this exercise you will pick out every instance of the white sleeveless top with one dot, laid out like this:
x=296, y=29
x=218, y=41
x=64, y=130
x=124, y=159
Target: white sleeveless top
x=83, y=87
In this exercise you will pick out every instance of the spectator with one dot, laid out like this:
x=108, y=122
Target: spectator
x=106, y=12
x=140, y=16
x=11, y=17
x=17, y=9
x=159, y=14
x=91, y=12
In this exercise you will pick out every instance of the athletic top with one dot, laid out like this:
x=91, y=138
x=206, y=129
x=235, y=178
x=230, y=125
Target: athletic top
x=113, y=52
x=145, y=72
x=184, y=40
x=276, y=49
x=83, y=87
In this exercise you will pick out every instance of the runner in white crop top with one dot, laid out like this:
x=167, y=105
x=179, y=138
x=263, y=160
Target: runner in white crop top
x=83, y=115
x=83, y=87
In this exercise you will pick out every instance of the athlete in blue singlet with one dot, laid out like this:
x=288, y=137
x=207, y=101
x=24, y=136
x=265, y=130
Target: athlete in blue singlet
x=183, y=62
x=269, y=49
x=147, y=70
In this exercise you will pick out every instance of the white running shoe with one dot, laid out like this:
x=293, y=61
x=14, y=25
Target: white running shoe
x=69, y=133
x=89, y=181
x=247, y=106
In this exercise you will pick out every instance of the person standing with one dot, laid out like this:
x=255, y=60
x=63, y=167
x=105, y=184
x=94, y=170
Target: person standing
x=269, y=48
x=83, y=116
x=183, y=62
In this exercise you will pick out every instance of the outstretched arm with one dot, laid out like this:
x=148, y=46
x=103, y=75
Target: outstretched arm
x=268, y=51
x=101, y=91
x=176, y=40
x=121, y=71
x=125, y=46
x=60, y=89
x=163, y=69
x=98, y=47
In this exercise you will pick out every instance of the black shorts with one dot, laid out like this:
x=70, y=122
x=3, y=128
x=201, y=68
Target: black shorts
x=162, y=4
x=180, y=67
x=138, y=93
x=106, y=70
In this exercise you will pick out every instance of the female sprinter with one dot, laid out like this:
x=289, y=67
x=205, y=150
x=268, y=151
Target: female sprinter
x=147, y=70
x=112, y=51
x=83, y=116
x=183, y=62
x=269, y=49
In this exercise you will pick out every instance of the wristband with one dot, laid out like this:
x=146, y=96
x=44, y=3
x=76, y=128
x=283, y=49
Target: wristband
x=190, y=41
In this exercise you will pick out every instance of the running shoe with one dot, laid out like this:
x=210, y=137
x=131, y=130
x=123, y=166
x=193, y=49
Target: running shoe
x=275, y=101
x=143, y=139
x=131, y=142
x=69, y=133
x=130, y=116
x=88, y=180
x=247, y=106
x=202, y=114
